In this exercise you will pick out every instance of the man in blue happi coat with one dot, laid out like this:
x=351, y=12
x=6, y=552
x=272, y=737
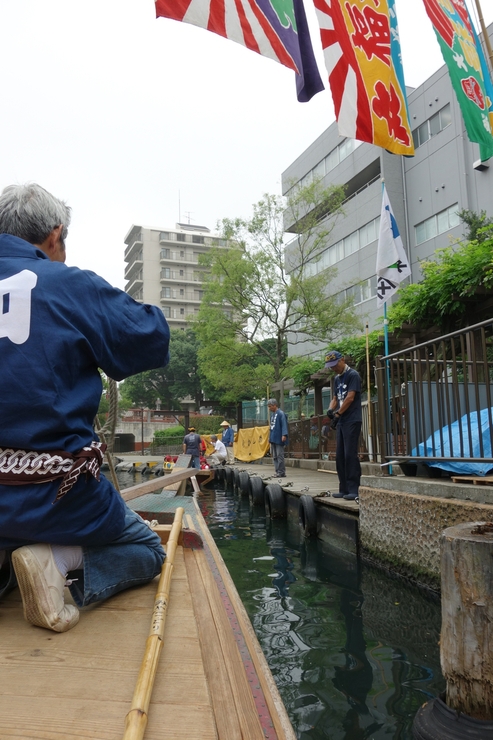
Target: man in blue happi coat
x=59, y=518
x=228, y=438
x=278, y=436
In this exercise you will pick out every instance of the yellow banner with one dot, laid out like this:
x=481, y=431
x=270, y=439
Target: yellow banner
x=251, y=444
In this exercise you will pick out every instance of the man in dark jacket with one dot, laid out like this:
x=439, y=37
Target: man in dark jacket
x=58, y=325
x=192, y=446
x=278, y=436
x=228, y=438
x=345, y=414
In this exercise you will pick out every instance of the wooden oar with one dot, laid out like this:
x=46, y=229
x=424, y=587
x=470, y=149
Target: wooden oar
x=136, y=719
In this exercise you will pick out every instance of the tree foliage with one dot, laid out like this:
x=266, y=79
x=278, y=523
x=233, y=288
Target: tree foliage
x=479, y=225
x=260, y=296
x=451, y=282
x=180, y=378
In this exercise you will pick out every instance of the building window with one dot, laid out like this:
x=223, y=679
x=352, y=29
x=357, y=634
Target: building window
x=432, y=126
x=197, y=239
x=181, y=273
x=363, y=291
x=345, y=247
x=165, y=272
x=437, y=224
x=166, y=311
x=164, y=235
x=166, y=293
x=182, y=292
x=182, y=311
x=180, y=237
x=165, y=254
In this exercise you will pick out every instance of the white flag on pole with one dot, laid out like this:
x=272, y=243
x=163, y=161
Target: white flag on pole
x=392, y=262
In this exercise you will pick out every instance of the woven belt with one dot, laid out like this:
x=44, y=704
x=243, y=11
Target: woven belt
x=20, y=467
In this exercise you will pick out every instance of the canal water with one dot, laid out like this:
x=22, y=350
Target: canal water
x=354, y=652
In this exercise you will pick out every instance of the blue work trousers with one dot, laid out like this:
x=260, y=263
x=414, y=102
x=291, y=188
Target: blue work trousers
x=133, y=558
x=347, y=461
x=277, y=452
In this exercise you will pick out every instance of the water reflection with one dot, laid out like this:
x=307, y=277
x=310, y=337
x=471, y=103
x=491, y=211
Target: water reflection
x=353, y=652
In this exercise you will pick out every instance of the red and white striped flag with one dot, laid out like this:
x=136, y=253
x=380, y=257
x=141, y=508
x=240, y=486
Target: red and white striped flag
x=258, y=25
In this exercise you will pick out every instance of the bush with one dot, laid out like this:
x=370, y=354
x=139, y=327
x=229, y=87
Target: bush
x=202, y=424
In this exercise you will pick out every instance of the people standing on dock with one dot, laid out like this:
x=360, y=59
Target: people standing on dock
x=278, y=436
x=219, y=455
x=59, y=518
x=192, y=445
x=345, y=414
x=228, y=438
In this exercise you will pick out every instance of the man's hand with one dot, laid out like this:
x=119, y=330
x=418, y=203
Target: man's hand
x=335, y=421
x=331, y=413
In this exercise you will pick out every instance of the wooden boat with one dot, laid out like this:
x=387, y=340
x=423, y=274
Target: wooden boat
x=211, y=682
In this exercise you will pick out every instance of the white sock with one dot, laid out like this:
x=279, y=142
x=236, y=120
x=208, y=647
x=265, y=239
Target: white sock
x=67, y=558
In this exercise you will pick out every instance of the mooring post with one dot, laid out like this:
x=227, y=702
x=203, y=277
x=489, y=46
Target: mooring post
x=467, y=618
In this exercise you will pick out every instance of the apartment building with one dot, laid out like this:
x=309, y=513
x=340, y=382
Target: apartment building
x=163, y=268
x=426, y=192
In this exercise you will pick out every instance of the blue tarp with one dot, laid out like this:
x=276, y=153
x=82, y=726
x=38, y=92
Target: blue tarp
x=469, y=425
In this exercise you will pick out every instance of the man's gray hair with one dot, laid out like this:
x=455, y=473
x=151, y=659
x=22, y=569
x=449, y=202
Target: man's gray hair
x=213, y=436
x=31, y=213
x=272, y=402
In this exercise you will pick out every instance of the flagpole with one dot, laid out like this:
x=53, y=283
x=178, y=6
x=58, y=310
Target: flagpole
x=486, y=38
x=387, y=368
x=368, y=383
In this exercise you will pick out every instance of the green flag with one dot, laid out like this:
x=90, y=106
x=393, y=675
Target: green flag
x=463, y=55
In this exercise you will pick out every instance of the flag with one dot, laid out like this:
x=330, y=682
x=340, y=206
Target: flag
x=362, y=53
x=467, y=68
x=392, y=262
x=278, y=30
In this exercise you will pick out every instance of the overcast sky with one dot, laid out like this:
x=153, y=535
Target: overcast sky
x=129, y=118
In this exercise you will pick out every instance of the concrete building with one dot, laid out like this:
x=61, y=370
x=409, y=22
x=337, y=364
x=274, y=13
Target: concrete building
x=163, y=268
x=426, y=191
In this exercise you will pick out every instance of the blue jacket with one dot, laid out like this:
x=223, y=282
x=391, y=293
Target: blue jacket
x=278, y=428
x=228, y=437
x=58, y=325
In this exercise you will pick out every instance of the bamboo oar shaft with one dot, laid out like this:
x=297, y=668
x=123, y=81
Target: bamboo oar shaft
x=136, y=719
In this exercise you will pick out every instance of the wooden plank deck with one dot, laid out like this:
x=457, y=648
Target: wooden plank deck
x=78, y=685
x=477, y=480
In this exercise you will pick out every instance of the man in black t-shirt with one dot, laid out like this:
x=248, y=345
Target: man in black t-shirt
x=345, y=414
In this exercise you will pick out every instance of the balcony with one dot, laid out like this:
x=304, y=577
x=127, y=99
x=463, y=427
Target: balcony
x=136, y=244
x=134, y=267
x=167, y=255
x=134, y=285
x=187, y=277
x=187, y=297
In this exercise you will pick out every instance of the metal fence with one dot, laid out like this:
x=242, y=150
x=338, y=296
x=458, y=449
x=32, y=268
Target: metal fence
x=435, y=399
x=313, y=439
x=256, y=413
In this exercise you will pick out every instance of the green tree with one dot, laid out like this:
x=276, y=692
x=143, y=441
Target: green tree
x=258, y=290
x=180, y=378
x=479, y=225
x=453, y=287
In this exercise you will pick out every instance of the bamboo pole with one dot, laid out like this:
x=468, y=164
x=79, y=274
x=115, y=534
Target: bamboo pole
x=136, y=719
x=486, y=38
x=368, y=383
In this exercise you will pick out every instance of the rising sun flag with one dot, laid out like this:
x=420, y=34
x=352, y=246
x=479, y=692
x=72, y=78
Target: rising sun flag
x=277, y=29
x=362, y=53
x=392, y=263
x=467, y=68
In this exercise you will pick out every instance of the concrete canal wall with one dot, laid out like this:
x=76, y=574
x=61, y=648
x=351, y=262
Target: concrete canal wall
x=402, y=530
